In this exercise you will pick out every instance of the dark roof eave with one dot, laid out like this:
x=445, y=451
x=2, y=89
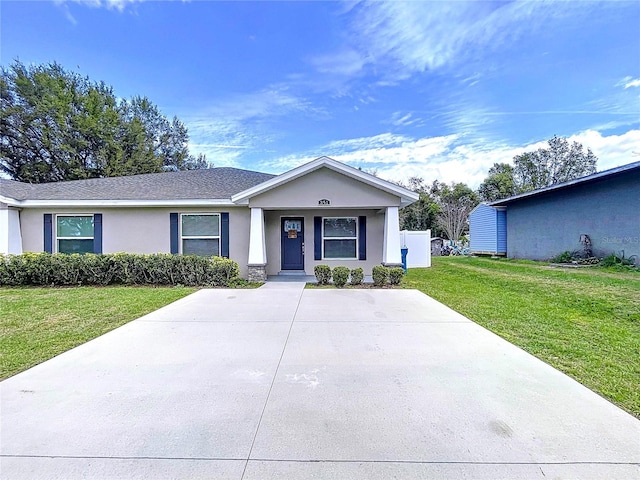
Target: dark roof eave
x=569, y=183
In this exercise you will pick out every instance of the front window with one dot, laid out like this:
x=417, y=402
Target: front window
x=200, y=234
x=74, y=233
x=340, y=237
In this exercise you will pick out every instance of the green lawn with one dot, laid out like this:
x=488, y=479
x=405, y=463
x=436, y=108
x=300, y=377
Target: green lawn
x=37, y=324
x=585, y=322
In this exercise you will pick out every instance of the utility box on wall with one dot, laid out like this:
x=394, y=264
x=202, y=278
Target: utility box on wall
x=419, y=245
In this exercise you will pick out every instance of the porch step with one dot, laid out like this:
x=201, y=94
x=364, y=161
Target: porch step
x=292, y=273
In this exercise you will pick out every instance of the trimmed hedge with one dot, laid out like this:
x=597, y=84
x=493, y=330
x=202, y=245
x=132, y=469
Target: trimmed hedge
x=380, y=275
x=45, y=269
x=395, y=275
x=323, y=274
x=357, y=276
x=340, y=276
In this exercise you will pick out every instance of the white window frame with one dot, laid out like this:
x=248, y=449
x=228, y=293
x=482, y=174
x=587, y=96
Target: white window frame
x=201, y=237
x=55, y=228
x=356, y=238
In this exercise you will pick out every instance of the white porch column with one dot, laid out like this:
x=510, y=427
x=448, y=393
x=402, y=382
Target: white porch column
x=4, y=231
x=391, y=254
x=257, y=251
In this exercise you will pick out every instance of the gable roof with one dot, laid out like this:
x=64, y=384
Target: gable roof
x=214, y=184
x=407, y=197
x=570, y=183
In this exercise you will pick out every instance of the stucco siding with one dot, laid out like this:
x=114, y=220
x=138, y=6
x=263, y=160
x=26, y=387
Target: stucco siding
x=548, y=224
x=340, y=190
x=139, y=230
x=375, y=230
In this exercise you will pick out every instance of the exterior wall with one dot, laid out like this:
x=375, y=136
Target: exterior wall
x=375, y=230
x=140, y=230
x=548, y=224
x=483, y=229
x=340, y=190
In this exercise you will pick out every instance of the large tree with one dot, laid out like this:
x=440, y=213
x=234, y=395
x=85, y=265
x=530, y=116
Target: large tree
x=420, y=215
x=558, y=163
x=57, y=125
x=499, y=183
x=456, y=202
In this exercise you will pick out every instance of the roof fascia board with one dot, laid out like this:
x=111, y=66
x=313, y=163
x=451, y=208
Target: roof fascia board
x=569, y=183
x=9, y=201
x=125, y=203
x=407, y=196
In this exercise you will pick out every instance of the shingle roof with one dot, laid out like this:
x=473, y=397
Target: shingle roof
x=214, y=183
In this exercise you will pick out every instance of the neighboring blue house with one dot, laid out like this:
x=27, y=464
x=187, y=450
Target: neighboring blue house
x=488, y=227
x=544, y=223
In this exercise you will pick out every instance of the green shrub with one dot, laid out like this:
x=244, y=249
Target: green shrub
x=119, y=268
x=614, y=260
x=340, y=276
x=564, y=257
x=357, y=276
x=395, y=275
x=380, y=275
x=323, y=274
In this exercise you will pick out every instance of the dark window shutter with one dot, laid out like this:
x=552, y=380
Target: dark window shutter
x=224, y=234
x=97, y=233
x=317, y=238
x=362, y=238
x=48, y=233
x=174, y=233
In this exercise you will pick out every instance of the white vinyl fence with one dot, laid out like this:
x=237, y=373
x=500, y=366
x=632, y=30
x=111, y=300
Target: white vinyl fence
x=419, y=245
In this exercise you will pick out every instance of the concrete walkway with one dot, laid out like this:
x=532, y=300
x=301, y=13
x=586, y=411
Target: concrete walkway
x=282, y=382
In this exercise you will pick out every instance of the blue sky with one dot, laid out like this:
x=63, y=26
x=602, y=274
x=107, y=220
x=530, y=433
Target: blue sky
x=440, y=90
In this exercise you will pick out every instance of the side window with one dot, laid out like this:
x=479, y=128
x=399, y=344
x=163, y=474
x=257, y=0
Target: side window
x=74, y=233
x=200, y=234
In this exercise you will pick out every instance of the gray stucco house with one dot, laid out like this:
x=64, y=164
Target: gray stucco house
x=321, y=212
x=544, y=223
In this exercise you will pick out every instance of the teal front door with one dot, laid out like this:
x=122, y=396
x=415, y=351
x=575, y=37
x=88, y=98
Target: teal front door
x=292, y=243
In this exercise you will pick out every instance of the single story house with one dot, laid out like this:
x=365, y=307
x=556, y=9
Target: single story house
x=543, y=223
x=323, y=212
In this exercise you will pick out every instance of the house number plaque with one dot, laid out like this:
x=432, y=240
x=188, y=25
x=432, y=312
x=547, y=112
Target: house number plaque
x=324, y=201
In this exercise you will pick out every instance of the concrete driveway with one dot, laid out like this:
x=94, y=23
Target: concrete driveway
x=282, y=382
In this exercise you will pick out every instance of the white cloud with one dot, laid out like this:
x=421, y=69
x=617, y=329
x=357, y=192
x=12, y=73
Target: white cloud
x=401, y=38
x=231, y=128
x=119, y=5
x=450, y=158
x=632, y=83
x=346, y=62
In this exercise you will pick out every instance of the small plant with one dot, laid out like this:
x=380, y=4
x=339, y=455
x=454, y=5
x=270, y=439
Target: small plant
x=614, y=260
x=395, y=275
x=323, y=274
x=380, y=275
x=357, y=276
x=340, y=276
x=564, y=257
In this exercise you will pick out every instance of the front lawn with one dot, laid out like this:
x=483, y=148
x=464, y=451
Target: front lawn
x=584, y=322
x=37, y=324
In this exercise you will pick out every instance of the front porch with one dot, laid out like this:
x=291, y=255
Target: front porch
x=292, y=242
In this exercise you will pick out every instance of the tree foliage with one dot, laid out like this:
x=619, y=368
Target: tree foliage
x=57, y=125
x=420, y=215
x=499, y=183
x=558, y=163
